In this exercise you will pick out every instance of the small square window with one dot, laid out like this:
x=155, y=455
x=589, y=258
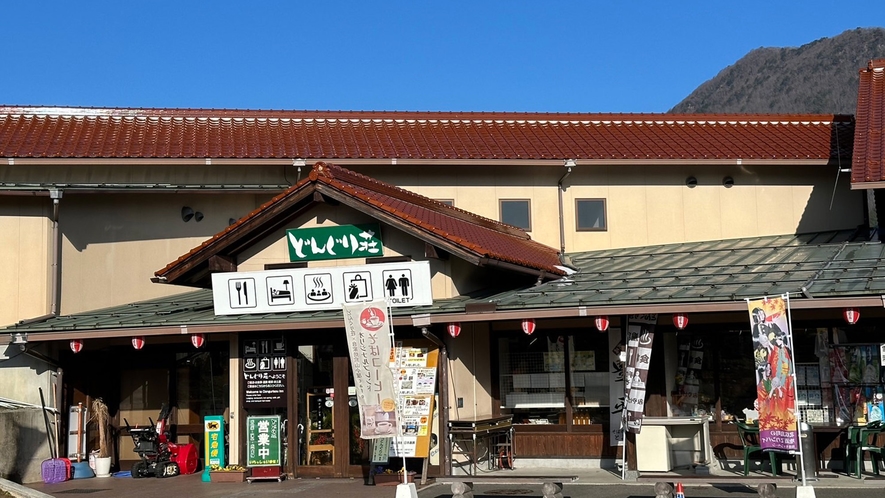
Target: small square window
x=517, y=212
x=590, y=215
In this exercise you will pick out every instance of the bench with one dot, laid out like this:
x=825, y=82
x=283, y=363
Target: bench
x=462, y=486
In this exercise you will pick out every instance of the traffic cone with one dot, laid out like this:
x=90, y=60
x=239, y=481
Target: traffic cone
x=680, y=493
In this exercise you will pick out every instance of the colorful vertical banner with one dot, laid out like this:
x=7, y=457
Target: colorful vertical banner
x=775, y=380
x=263, y=441
x=213, y=427
x=640, y=336
x=616, y=386
x=415, y=378
x=368, y=339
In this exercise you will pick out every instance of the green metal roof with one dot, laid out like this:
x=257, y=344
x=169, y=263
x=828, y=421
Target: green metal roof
x=812, y=268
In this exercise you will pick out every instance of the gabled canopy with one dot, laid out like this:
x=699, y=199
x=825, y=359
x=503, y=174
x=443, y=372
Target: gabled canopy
x=472, y=238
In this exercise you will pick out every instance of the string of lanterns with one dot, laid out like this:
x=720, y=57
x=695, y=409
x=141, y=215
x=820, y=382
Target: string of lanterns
x=138, y=342
x=528, y=325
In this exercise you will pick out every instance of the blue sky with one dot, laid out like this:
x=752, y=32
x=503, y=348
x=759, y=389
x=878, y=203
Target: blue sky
x=524, y=56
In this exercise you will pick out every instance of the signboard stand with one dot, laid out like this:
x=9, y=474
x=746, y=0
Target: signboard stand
x=263, y=448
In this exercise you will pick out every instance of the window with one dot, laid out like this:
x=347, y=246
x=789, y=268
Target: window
x=532, y=379
x=447, y=202
x=516, y=212
x=590, y=215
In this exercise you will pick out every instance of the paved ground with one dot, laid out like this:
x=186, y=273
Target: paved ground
x=591, y=484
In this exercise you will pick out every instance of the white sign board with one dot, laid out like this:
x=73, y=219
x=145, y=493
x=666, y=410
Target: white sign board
x=310, y=289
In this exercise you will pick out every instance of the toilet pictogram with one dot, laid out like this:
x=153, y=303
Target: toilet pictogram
x=398, y=285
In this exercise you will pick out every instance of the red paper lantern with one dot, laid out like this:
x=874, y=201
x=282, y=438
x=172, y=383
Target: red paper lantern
x=454, y=329
x=76, y=345
x=680, y=321
x=528, y=326
x=852, y=315
x=197, y=340
x=602, y=323
x=138, y=342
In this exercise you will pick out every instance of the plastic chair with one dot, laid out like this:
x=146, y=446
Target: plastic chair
x=868, y=441
x=750, y=440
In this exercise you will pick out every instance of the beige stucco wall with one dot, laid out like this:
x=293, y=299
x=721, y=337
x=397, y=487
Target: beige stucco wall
x=25, y=251
x=113, y=243
x=469, y=372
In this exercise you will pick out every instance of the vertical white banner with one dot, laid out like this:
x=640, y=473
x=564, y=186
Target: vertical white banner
x=616, y=386
x=368, y=339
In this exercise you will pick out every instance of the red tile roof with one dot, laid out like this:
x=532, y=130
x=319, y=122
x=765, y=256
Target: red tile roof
x=48, y=132
x=472, y=237
x=867, y=165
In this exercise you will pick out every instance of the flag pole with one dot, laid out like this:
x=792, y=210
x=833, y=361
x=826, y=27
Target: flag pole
x=793, y=384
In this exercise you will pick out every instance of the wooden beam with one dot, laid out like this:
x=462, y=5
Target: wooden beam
x=221, y=263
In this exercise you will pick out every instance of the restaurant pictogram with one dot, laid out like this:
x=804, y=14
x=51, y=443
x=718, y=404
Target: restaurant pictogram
x=242, y=293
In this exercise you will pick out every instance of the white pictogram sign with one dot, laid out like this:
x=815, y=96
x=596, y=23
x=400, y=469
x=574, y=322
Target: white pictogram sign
x=302, y=289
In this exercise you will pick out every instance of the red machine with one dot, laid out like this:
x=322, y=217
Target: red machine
x=160, y=457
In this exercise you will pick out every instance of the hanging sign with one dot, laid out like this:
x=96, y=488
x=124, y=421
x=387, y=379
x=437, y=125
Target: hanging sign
x=263, y=441
x=335, y=242
x=312, y=289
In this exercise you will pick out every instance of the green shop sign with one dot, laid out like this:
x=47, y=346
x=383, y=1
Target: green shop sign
x=263, y=441
x=338, y=242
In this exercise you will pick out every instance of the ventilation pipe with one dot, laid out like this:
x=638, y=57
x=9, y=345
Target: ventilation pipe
x=568, y=163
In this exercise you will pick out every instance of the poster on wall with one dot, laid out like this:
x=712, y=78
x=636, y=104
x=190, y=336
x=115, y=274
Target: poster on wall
x=640, y=337
x=775, y=382
x=369, y=342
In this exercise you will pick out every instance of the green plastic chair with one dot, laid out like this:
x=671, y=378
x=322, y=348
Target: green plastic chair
x=868, y=442
x=750, y=440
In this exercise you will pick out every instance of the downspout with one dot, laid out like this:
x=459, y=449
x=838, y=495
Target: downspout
x=55, y=255
x=568, y=163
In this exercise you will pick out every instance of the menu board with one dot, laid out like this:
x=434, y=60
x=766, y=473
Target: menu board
x=415, y=378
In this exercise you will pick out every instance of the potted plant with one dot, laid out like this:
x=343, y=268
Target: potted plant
x=229, y=473
x=102, y=421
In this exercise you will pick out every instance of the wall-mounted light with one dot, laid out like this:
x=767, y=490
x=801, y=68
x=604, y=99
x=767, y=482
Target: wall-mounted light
x=728, y=182
x=691, y=182
x=187, y=213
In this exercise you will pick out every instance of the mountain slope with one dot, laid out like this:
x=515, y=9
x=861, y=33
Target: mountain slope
x=819, y=77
